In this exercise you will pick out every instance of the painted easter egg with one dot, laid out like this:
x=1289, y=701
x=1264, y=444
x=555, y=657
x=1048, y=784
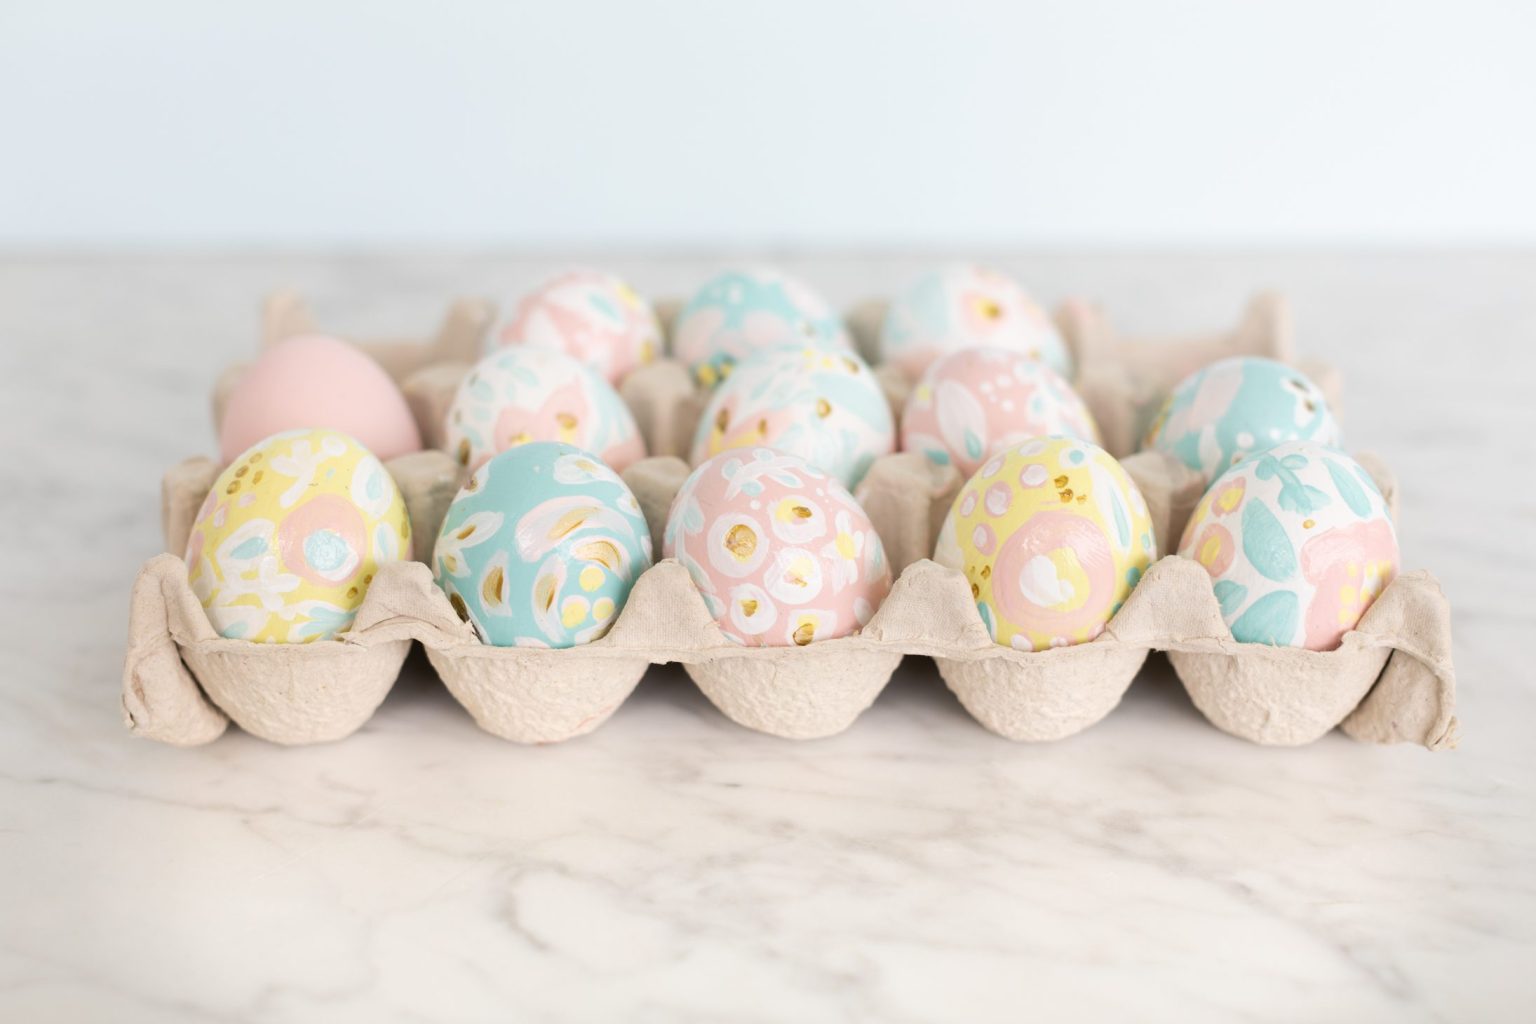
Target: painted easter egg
x=822, y=405
x=739, y=312
x=291, y=535
x=973, y=403
x=520, y=394
x=591, y=315
x=780, y=551
x=541, y=547
x=314, y=381
x=962, y=306
x=1235, y=407
x=1052, y=535
x=1298, y=541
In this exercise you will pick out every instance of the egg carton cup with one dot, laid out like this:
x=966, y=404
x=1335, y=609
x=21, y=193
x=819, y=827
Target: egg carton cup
x=1390, y=681
x=183, y=683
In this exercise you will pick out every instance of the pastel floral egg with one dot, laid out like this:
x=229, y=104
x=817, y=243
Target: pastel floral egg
x=781, y=552
x=520, y=394
x=1233, y=408
x=963, y=306
x=291, y=535
x=974, y=403
x=541, y=547
x=1053, y=535
x=739, y=312
x=591, y=315
x=821, y=405
x=1298, y=541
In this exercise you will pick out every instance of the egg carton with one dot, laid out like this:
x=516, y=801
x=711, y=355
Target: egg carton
x=1391, y=680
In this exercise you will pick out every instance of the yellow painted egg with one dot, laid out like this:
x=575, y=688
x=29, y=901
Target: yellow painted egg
x=291, y=535
x=1052, y=535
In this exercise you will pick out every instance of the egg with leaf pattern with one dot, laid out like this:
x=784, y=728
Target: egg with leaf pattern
x=1298, y=541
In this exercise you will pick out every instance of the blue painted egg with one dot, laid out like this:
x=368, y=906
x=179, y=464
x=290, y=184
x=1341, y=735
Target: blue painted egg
x=1233, y=408
x=739, y=312
x=541, y=547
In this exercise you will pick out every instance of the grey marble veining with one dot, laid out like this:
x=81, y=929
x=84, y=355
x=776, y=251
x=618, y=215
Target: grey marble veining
x=673, y=866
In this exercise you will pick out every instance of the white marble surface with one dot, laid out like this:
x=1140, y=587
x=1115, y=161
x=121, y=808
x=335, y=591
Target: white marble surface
x=673, y=866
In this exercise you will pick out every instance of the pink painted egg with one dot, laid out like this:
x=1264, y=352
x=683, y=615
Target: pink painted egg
x=973, y=403
x=591, y=315
x=314, y=381
x=780, y=551
x=962, y=306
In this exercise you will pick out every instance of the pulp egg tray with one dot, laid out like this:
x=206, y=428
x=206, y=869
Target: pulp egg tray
x=1391, y=680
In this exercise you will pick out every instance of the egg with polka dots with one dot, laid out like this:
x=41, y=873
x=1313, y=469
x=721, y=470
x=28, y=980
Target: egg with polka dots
x=1052, y=535
x=291, y=536
x=780, y=552
x=541, y=547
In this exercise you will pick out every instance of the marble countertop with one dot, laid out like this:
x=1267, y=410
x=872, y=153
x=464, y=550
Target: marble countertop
x=674, y=866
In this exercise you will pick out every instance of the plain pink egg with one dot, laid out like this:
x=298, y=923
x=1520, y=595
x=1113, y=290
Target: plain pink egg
x=316, y=381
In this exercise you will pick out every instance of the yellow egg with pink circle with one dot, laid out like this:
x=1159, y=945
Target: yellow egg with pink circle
x=291, y=535
x=1052, y=535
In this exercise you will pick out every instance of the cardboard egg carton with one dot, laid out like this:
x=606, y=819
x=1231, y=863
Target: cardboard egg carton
x=1391, y=680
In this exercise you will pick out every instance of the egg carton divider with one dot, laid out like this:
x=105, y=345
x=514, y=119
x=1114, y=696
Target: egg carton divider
x=1391, y=681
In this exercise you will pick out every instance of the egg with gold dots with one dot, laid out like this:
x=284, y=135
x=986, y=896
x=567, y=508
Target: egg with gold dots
x=541, y=547
x=962, y=306
x=1236, y=407
x=823, y=406
x=780, y=551
x=742, y=311
x=594, y=316
x=1052, y=535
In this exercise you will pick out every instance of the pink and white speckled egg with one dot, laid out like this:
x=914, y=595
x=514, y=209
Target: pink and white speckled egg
x=974, y=403
x=781, y=552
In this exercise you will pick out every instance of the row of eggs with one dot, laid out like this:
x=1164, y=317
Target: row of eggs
x=1089, y=542
x=779, y=363
x=539, y=548
x=544, y=542
x=606, y=324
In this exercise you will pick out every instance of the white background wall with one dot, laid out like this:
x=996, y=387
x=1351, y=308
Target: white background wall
x=292, y=122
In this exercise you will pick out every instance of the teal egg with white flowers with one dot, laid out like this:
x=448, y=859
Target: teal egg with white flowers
x=1237, y=407
x=541, y=547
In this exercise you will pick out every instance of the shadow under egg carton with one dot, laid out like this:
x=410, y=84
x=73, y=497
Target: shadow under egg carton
x=1391, y=680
